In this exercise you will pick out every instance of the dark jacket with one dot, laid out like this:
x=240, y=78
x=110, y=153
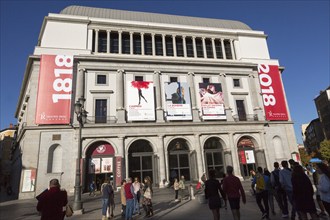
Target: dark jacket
x=303, y=193
x=51, y=203
x=212, y=189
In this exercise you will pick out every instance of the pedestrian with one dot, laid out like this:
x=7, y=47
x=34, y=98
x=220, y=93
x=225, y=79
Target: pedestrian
x=252, y=174
x=182, y=188
x=147, y=196
x=279, y=192
x=285, y=180
x=270, y=192
x=203, y=179
x=129, y=195
x=111, y=207
x=122, y=198
x=107, y=195
x=316, y=178
x=292, y=163
x=324, y=185
x=261, y=182
x=173, y=175
x=212, y=189
x=92, y=189
x=137, y=195
x=233, y=189
x=176, y=189
x=303, y=194
x=51, y=202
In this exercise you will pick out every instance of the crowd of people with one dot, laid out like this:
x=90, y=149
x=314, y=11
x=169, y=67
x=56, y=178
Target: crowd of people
x=287, y=184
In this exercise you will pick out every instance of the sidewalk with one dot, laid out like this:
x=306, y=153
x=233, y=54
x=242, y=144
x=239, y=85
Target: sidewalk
x=163, y=203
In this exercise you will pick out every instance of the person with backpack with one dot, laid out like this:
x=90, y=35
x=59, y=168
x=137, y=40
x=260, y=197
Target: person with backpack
x=92, y=189
x=279, y=193
x=260, y=182
x=107, y=197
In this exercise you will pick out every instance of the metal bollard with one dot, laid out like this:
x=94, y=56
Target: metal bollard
x=192, y=194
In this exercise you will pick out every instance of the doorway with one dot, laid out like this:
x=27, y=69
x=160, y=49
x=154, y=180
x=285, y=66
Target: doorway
x=213, y=154
x=246, y=154
x=179, y=159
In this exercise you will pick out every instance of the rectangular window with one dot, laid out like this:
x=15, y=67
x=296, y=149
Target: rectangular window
x=199, y=47
x=209, y=48
x=206, y=80
x=218, y=48
x=114, y=42
x=147, y=44
x=125, y=47
x=179, y=46
x=173, y=79
x=189, y=47
x=102, y=42
x=101, y=79
x=138, y=78
x=236, y=83
x=159, y=45
x=229, y=55
x=169, y=46
x=100, y=111
x=241, y=110
x=136, y=43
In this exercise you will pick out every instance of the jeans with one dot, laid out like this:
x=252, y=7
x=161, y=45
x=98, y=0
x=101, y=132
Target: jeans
x=105, y=205
x=290, y=197
x=136, y=204
x=129, y=208
x=282, y=200
x=264, y=197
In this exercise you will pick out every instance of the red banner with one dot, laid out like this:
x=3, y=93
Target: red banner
x=118, y=171
x=54, y=89
x=272, y=93
x=242, y=156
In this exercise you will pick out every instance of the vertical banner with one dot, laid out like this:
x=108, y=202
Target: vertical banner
x=96, y=162
x=118, y=171
x=272, y=92
x=242, y=157
x=29, y=179
x=54, y=89
x=212, y=102
x=249, y=155
x=177, y=98
x=140, y=101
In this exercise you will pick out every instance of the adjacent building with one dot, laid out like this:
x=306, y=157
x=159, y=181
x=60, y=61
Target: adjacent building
x=322, y=103
x=166, y=96
x=313, y=136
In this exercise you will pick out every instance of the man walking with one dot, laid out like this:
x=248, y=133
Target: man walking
x=232, y=186
x=285, y=180
x=262, y=181
x=107, y=198
x=129, y=195
x=279, y=192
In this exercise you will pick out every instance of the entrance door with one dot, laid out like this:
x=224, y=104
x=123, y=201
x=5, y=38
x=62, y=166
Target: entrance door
x=141, y=165
x=179, y=162
x=213, y=154
x=246, y=156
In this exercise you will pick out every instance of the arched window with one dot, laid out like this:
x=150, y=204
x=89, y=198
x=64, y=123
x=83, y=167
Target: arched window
x=54, y=159
x=278, y=147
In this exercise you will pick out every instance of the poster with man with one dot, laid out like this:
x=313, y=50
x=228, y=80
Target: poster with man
x=177, y=99
x=212, y=102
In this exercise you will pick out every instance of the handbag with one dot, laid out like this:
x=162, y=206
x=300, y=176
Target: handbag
x=68, y=211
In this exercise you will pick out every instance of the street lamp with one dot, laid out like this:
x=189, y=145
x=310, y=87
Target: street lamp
x=81, y=118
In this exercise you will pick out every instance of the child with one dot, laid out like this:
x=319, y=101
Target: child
x=176, y=189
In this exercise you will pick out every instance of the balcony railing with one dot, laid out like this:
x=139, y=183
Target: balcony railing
x=251, y=117
x=101, y=120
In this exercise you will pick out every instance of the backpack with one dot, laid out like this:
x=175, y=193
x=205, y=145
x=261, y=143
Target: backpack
x=261, y=185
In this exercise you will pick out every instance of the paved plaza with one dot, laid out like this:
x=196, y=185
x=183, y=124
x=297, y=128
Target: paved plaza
x=163, y=203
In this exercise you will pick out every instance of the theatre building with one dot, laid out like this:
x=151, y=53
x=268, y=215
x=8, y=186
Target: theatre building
x=164, y=95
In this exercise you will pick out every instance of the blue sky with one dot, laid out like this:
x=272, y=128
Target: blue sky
x=298, y=35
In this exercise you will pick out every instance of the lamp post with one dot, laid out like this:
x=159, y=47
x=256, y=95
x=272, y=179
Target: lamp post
x=81, y=118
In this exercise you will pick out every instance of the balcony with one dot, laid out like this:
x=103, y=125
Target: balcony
x=250, y=117
x=101, y=119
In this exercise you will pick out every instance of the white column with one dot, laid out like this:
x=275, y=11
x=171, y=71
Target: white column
x=96, y=40
x=191, y=81
x=120, y=96
x=200, y=155
x=80, y=84
x=232, y=49
x=131, y=42
x=174, y=45
x=184, y=46
x=108, y=41
x=142, y=43
x=204, y=47
x=223, y=49
x=194, y=46
x=162, y=162
x=119, y=41
x=236, y=166
x=213, y=48
x=164, y=45
x=153, y=44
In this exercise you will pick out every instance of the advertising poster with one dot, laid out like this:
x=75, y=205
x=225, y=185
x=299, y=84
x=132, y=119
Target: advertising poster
x=212, y=102
x=140, y=101
x=54, y=89
x=177, y=98
x=242, y=157
x=272, y=93
x=95, y=165
x=249, y=155
x=106, y=165
x=29, y=179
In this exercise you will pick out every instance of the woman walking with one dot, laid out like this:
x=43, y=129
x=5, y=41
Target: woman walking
x=147, y=195
x=212, y=189
x=176, y=189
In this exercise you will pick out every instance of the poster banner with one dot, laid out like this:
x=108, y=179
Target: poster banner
x=54, y=89
x=242, y=157
x=177, y=99
x=118, y=171
x=272, y=93
x=140, y=101
x=29, y=179
x=106, y=165
x=212, y=102
x=249, y=155
x=94, y=165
